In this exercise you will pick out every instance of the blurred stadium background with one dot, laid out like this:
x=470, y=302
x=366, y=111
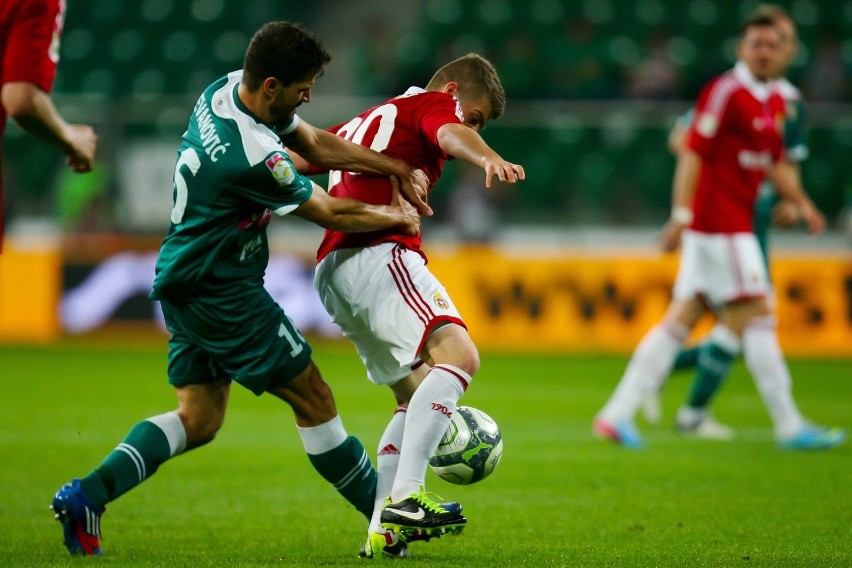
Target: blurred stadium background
x=593, y=86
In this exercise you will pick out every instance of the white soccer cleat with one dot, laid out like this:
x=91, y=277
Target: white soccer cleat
x=701, y=424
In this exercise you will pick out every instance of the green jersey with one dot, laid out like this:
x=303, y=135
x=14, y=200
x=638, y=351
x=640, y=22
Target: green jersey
x=232, y=173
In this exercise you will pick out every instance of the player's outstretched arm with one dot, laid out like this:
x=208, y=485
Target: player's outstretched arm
x=353, y=216
x=466, y=144
x=327, y=150
x=34, y=111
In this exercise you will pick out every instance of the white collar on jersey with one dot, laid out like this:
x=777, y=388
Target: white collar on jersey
x=759, y=89
x=414, y=91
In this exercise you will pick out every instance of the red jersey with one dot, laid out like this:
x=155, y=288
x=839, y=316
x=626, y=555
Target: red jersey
x=738, y=132
x=29, y=51
x=405, y=127
x=29, y=43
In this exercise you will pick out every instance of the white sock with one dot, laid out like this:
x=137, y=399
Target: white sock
x=387, y=462
x=650, y=364
x=426, y=421
x=323, y=438
x=765, y=361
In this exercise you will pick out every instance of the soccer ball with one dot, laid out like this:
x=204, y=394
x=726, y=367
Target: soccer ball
x=470, y=449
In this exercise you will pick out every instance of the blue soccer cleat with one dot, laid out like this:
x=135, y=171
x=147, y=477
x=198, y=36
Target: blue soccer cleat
x=623, y=432
x=812, y=437
x=81, y=520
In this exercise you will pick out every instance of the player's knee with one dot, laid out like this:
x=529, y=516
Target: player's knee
x=201, y=430
x=310, y=397
x=468, y=359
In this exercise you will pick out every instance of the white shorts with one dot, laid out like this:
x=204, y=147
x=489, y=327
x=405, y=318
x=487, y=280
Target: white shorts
x=386, y=302
x=722, y=268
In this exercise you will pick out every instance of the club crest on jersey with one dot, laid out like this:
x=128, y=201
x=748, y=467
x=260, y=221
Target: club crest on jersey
x=440, y=301
x=281, y=169
x=256, y=220
x=707, y=125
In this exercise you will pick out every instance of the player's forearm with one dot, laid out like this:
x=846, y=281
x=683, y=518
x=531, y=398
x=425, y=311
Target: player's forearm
x=33, y=110
x=464, y=143
x=787, y=180
x=353, y=216
x=334, y=153
x=685, y=179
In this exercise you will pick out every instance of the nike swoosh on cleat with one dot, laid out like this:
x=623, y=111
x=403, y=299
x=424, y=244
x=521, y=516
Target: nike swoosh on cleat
x=408, y=515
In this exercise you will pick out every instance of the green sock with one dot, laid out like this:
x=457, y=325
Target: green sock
x=146, y=447
x=714, y=363
x=348, y=468
x=686, y=358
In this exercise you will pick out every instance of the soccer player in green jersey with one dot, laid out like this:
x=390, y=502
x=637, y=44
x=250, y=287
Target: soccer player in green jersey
x=712, y=361
x=232, y=173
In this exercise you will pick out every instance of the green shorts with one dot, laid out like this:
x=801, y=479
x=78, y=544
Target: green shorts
x=248, y=339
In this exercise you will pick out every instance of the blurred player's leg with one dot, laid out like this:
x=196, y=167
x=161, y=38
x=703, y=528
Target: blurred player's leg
x=650, y=364
x=715, y=359
x=765, y=360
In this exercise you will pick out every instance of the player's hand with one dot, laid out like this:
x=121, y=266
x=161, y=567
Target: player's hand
x=82, y=146
x=506, y=172
x=813, y=218
x=415, y=188
x=410, y=216
x=785, y=213
x=670, y=238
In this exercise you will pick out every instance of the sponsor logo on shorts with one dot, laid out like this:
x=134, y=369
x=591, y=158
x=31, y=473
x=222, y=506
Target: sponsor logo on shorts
x=440, y=301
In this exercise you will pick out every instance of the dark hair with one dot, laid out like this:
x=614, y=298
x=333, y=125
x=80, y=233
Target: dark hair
x=284, y=50
x=476, y=77
x=756, y=19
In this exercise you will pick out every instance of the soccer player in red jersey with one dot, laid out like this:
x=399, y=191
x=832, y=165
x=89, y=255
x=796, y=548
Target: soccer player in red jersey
x=29, y=51
x=735, y=141
x=377, y=287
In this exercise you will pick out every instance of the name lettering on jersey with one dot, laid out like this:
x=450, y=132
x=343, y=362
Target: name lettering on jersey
x=210, y=140
x=281, y=169
x=751, y=160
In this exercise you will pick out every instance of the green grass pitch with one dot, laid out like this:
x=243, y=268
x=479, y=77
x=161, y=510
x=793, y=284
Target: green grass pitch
x=559, y=498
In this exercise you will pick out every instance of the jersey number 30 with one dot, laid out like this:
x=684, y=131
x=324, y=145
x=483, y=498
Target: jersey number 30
x=356, y=129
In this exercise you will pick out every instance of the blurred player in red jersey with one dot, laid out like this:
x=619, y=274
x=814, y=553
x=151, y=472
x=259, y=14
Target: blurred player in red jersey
x=735, y=141
x=29, y=51
x=403, y=323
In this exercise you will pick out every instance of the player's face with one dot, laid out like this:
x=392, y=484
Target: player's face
x=288, y=97
x=476, y=112
x=787, y=43
x=760, y=50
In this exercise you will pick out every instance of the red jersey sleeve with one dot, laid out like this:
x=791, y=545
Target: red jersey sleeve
x=31, y=50
x=438, y=109
x=709, y=114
